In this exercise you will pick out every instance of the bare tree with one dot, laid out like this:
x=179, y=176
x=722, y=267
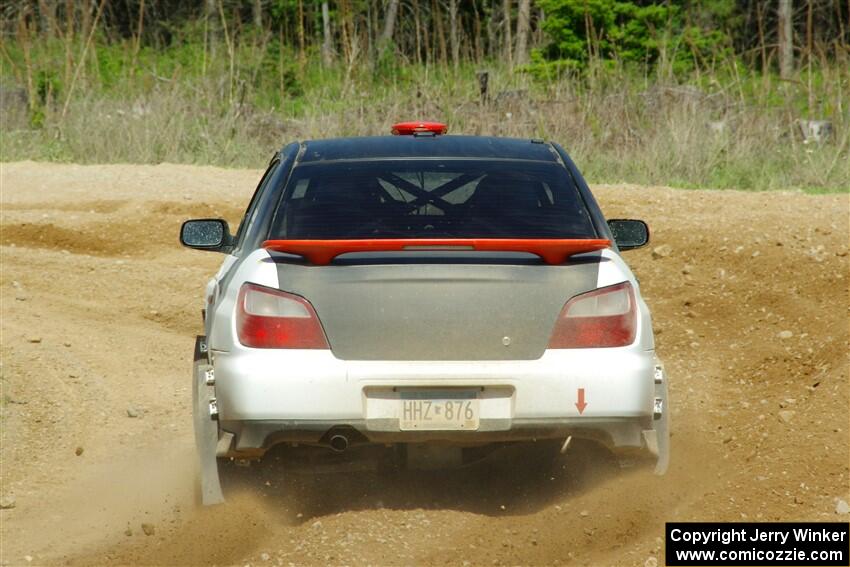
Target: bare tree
x=491, y=32
x=389, y=25
x=453, y=39
x=389, y=21
x=437, y=17
x=302, y=54
x=211, y=26
x=523, y=25
x=506, y=22
x=417, y=26
x=47, y=17
x=427, y=33
x=476, y=34
x=327, y=40
x=257, y=13
x=786, y=39
x=137, y=41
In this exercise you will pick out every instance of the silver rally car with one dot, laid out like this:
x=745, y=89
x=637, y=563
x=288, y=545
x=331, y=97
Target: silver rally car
x=428, y=293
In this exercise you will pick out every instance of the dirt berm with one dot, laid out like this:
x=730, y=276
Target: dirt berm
x=100, y=304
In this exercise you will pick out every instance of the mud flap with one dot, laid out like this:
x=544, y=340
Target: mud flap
x=206, y=430
x=662, y=424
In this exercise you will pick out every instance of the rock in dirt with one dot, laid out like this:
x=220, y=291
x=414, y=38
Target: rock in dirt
x=78, y=451
x=148, y=529
x=786, y=416
x=662, y=251
x=134, y=412
x=785, y=334
x=8, y=502
x=20, y=293
x=841, y=507
x=34, y=339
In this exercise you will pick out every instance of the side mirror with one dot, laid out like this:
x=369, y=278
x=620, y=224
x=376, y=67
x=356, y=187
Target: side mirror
x=206, y=234
x=629, y=233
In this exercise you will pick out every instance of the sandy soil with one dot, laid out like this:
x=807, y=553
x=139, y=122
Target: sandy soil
x=100, y=305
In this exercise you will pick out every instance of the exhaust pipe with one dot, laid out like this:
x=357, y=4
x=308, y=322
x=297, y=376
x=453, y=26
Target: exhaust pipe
x=339, y=443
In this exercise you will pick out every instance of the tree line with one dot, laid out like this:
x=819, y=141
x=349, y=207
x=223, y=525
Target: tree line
x=560, y=34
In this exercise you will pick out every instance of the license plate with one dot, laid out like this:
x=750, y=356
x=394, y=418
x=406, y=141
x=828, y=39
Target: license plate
x=420, y=413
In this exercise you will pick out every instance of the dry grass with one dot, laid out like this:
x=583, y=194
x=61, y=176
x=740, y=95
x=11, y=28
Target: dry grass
x=618, y=127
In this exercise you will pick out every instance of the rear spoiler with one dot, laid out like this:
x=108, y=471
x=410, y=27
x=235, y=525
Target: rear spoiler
x=551, y=250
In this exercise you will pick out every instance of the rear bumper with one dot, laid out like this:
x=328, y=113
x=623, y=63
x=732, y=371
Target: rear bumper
x=270, y=396
x=254, y=437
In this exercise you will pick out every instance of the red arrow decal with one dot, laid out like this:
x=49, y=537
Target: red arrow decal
x=580, y=405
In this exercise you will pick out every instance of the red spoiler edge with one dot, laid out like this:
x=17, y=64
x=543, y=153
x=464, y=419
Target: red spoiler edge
x=551, y=250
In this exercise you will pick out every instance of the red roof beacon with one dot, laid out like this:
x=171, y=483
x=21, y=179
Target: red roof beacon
x=411, y=128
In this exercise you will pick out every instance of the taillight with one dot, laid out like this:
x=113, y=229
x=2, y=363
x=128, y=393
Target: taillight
x=268, y=318
x=605, y=317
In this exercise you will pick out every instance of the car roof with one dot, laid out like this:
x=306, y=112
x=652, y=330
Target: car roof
x=391, y=147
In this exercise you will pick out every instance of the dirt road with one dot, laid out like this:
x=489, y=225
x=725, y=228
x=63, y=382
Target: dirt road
x=100, y=305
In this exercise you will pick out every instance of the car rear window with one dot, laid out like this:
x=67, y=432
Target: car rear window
x=431, y=199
